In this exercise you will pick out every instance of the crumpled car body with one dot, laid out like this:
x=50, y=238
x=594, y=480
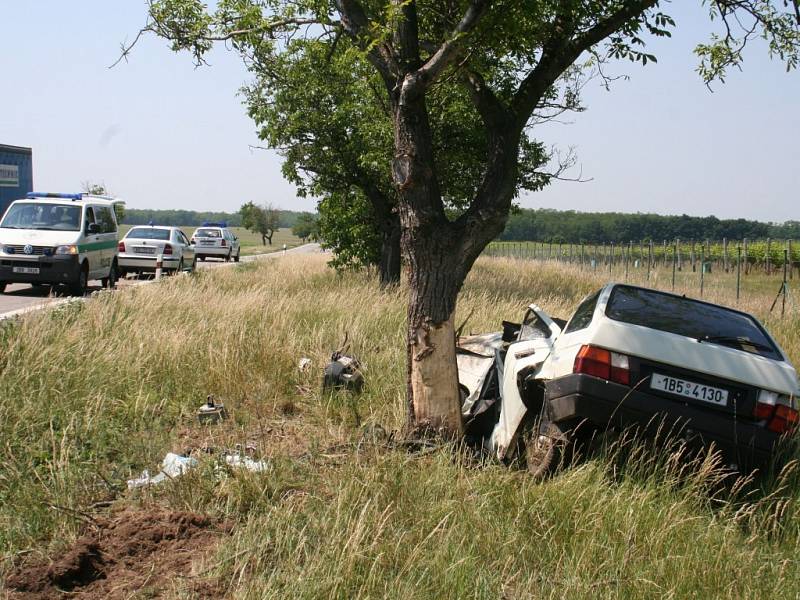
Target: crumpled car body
x=630, y=356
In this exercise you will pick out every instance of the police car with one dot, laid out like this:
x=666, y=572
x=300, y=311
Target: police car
x=67, y=239
x=215, y=240
x=143, y=244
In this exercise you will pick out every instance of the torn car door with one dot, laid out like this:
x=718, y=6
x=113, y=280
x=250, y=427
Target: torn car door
x=523, y=360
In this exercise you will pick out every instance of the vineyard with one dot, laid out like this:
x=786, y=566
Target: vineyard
x=740, y=266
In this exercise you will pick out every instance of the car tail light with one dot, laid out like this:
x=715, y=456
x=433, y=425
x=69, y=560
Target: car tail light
x=776, y=411
x=121, y=246
x=602, y=363
x=222, y=243
x=167, y=249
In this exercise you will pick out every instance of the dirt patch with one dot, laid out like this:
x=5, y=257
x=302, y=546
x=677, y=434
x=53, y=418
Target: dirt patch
x=131, y=551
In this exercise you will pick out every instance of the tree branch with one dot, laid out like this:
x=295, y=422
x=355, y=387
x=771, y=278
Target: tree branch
x=563, y=51
x=418, y=81
x=380, y=55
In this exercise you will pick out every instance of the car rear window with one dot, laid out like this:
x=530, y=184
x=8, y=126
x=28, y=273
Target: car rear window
x=212, y=233
x=148, y=233
x=583, y=316
x=691, y=318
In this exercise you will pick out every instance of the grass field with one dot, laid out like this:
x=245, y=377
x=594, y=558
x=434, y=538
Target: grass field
x=93, y=393
x=250, y=242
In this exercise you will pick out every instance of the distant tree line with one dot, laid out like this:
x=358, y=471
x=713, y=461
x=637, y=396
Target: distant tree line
x=135, y=216
x=548, y=225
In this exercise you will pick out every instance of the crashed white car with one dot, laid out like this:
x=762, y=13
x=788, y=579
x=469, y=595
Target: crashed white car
x=629, y=356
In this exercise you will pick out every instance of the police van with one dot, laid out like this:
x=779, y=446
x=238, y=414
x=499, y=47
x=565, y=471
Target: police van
x=50, y=239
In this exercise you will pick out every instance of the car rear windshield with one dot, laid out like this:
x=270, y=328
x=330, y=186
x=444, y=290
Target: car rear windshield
x=148, y=233
x=35, y=215
x=692, y=318
x=213, y=233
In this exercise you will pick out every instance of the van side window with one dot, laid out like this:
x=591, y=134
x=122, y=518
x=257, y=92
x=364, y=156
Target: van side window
x=105, y=219
x=583, y=316
x=89, y=218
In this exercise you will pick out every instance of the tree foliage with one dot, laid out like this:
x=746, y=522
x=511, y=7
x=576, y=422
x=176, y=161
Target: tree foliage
x=548, y=225
x=263, y=220
x=193, y=218
x=306, y=227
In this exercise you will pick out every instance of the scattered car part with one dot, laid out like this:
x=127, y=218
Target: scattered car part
x=211, y=411
x=343, y=372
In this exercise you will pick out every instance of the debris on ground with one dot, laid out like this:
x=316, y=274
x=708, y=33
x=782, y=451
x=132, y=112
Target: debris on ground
x=175, y=465
x=211, y=411
x=245, y=462
x=304, y=364
x=343, y=372
x=172, y=466
x=131, y=552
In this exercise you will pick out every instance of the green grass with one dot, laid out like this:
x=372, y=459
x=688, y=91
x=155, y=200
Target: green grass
x=250, y=242
x=91, y=394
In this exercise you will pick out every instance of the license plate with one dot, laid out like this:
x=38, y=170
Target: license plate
x=144, y=250
x=689, y=389
x=26, y=270
x=208, y=243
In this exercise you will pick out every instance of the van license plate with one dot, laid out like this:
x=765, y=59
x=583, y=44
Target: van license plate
x=689, y=389
x=26, y=270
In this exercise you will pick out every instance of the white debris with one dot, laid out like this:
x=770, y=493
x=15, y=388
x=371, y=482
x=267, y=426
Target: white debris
x=172, y=466
x=304, y=364
x=257, y=466
x=175, y=465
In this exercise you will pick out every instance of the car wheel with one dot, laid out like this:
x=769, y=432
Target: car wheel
x=228, y=257
x=236, y=258
x=110, y=282
x=194, y=265
x=82, y=284
x=203, y=258
x=180, y=268
x=547, y=449
x=3, y=285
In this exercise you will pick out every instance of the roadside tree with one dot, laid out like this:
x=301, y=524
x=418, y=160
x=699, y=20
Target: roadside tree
x=517, y=61
x=263, y=220
x=306, y=227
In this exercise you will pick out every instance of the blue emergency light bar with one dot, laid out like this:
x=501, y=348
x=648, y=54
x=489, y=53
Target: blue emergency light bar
x=214, y=224
x=53, y=195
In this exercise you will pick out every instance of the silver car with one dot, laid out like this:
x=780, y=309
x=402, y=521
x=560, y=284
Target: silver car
x=215, y=240
x=143, y=244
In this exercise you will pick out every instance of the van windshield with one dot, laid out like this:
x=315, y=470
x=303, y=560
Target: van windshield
x=34, y=215
x=707, y=323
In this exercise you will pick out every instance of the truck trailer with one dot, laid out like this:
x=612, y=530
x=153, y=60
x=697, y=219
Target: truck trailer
x=16, y=174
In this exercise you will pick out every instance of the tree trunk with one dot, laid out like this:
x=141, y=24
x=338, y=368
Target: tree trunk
x=432, y=251
x=435, y=280
x=263, y=240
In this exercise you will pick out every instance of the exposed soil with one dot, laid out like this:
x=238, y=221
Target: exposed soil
x=145, y=551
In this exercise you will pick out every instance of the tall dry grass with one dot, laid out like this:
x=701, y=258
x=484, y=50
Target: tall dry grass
x=91, y=394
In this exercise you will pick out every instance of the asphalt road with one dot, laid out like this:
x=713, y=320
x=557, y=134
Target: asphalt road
x=21, y=297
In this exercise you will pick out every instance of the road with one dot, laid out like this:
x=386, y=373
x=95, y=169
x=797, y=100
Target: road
x=20, y=297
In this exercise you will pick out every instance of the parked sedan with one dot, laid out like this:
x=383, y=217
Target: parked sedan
x=630, y=356
x=142, y=245
x=215, y=240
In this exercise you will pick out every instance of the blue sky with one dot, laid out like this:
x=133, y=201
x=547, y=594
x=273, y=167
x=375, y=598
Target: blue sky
x=163, y=134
